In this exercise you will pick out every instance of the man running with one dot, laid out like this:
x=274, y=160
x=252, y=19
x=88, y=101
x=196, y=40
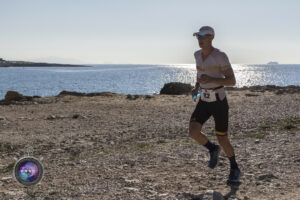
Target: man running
x=214, y=71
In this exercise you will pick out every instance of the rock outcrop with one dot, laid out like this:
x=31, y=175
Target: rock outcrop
x=15, y=96
x=176, y=88
x=92, y=94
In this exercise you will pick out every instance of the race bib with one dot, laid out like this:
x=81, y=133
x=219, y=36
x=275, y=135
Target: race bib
x=208, y=95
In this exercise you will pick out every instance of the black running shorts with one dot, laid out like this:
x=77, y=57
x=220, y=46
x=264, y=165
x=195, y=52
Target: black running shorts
x=218, y=109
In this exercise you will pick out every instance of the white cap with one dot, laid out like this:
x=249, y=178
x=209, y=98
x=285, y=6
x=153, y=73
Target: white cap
x=205, y=30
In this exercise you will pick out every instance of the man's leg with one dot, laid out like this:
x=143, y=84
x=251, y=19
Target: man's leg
x=228, y=149
x=195, y=133
x=198, y=118
x=214, y=150
x=220, y=115
x=225, y=144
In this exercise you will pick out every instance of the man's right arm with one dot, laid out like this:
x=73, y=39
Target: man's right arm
x=197, y=85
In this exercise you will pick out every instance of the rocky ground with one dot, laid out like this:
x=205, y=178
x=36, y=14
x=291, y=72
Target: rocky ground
x=117, y=146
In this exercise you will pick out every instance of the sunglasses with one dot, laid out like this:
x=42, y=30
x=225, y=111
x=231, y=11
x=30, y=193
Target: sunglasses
x=202, y=36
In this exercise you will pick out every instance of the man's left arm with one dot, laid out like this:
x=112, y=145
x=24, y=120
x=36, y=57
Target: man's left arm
x=229, y=79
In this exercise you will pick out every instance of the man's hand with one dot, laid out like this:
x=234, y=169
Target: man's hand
x=205, y=79
x=194, y=90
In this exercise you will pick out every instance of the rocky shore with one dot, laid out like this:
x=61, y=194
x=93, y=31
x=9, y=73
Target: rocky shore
x=114, y=146
x=5, y=63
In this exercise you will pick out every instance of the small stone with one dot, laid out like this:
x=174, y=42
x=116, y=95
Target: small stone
x=50, y=117
x=131, y=189
x=5, y=178
x=266, y=176
x=132, y=181
x=76, y=116
x=148, y=97
x=132, y=97
x=163, y=195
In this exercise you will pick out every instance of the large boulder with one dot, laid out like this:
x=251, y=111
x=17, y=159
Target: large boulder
x=13, y=96
x=176, y=88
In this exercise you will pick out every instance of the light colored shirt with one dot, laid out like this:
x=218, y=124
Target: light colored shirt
x=216, y=63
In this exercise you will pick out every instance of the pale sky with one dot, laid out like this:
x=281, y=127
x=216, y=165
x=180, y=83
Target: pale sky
x=147, y=31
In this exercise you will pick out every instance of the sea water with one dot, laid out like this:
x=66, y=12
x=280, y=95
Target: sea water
x=130, y=79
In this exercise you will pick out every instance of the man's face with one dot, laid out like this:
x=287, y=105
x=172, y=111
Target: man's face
x=205, y=40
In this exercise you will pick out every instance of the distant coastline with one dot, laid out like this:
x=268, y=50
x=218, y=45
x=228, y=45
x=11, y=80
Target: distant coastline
x=5, y=63
x=273, y=63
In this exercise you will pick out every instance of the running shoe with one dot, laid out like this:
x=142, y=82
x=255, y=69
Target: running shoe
x=214, y=157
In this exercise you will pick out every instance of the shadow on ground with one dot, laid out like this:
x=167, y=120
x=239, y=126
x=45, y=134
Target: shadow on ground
x=213, y=195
